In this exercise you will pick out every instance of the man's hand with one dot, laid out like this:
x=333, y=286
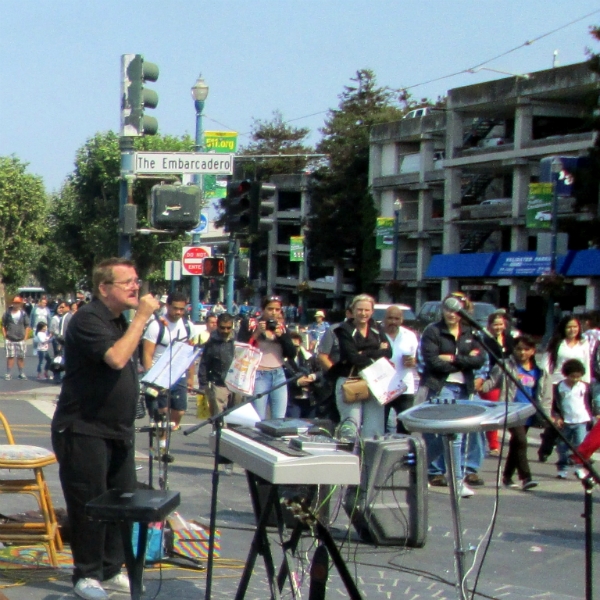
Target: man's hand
x=147, y=306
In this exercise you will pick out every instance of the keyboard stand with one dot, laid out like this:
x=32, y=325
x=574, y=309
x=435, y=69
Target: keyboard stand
x=141, y=506
x=260, y=544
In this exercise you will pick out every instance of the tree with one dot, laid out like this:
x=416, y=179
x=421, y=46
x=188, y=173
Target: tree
x=85, y=213
x=274, y=137
x=22, y=222
x=343, y=215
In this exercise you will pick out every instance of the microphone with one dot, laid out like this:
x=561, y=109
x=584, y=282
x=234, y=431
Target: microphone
x=455, y=305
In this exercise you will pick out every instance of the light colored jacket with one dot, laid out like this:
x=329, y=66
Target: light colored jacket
x=508, y=388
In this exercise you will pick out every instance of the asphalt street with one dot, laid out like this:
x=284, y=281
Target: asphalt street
x=536, y=548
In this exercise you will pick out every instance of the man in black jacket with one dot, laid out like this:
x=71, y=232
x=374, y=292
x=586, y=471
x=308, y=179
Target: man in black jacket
x=217, y=357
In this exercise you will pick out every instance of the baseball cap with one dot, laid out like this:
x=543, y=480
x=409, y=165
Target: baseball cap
x=18, y=300
x=319, y=313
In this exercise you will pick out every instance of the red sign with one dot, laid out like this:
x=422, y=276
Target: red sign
x=191, y=259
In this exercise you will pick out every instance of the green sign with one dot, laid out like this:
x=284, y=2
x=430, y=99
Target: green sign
x=221, y=142
x=539, y=206
x=384, y=233
x=244, y=253
x=296, y=249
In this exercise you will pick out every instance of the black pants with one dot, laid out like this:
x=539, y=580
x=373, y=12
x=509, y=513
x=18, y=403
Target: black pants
x=549, y=440
x=88, y=467
x=516, y=460
x=399, y=404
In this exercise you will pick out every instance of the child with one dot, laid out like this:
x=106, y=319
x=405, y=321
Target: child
x=42, y=341
x=537, y=382
x=571, y=411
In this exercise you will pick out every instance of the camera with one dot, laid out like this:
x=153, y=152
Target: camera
x=271, y=325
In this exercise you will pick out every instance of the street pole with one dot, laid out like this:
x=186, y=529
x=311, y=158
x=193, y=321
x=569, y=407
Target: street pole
x=556, y=168
x=397, y=208
x=230, y=272
x=125, y=192
x=199, y=94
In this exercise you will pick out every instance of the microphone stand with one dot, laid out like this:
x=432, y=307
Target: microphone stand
x=217, y=422
x=587, y=482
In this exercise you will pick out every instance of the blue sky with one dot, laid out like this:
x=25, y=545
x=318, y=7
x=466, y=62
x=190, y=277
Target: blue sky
x=59, y=59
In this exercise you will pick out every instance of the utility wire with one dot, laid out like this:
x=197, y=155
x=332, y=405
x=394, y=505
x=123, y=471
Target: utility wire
x=469, y=70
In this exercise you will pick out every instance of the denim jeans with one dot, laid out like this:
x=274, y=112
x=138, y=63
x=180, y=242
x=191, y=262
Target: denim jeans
x=364, y=417
x=574, y=432
x=468, y=450
x=276, y=399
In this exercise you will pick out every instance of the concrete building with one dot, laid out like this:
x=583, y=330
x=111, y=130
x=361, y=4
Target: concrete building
x=462, y=175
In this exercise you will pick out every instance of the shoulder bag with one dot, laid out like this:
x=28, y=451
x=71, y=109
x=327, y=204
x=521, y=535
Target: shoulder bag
x=355, y=389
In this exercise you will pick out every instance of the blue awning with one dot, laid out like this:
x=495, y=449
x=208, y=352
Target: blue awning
x=585, y=263
x=527, y=264
x=478, y=264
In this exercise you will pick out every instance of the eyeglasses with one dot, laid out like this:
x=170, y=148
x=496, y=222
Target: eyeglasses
x=128, y=283
x=270, y=299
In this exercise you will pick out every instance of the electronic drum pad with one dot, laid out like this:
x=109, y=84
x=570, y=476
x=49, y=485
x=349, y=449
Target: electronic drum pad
x=464, y=416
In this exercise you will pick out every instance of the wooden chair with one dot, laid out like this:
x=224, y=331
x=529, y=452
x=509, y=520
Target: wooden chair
x=16, y=456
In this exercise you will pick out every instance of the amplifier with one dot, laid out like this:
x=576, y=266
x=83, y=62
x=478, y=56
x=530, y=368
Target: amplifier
x=389, y=508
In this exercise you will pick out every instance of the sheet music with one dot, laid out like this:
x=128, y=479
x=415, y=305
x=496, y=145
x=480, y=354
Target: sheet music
x=171, y=366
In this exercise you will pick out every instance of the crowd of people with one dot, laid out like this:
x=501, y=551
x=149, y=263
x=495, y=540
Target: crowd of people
x=301, y=374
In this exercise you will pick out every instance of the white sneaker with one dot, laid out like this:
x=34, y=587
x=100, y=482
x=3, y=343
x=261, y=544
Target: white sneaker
x=561, y=475
x=90, y=589
x=118, y=583
x=581, y=473
x=465, y=491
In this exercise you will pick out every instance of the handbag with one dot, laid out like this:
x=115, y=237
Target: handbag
x=355, y=389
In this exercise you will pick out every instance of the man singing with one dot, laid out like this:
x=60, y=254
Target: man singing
x=93, y=426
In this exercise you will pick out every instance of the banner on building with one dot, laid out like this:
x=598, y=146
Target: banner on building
x=296, y=249
x=384, y=233
x=221, y=142
x=539, y=206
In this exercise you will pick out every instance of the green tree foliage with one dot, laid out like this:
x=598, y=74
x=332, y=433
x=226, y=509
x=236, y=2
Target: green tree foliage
x=343, y=215
x=274, y=137
x=85, y=213
x=22, y=221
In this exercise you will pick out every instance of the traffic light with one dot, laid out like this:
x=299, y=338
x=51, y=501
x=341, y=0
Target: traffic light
x=135, y=97
x=263, y=205
x=175, y=206
x=238, y=216
x=213, y=267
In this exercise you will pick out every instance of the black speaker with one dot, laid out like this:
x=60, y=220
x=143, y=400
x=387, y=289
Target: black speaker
x=389, y=508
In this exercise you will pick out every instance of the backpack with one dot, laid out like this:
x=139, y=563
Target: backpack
x=161, y=331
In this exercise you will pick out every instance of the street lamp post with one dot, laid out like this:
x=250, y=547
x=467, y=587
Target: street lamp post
x=556, y=168
x=199, y=94
x=397, y=209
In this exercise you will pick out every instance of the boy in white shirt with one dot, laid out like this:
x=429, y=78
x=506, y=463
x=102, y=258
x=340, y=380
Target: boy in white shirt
x=571, y=410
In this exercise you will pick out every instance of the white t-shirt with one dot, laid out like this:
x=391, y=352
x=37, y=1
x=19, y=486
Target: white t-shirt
x=574, y=409
x=405, y=343
x=173, y=332
x=580, y=351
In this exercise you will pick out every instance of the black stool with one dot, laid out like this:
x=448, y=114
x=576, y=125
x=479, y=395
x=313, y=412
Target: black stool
x=141, y=506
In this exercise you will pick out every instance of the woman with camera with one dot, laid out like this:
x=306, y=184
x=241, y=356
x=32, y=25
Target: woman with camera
x=269, y=335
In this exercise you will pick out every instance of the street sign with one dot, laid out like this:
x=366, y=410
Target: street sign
x=539, y=206
x=161, y=163
x=173, y=270
x=191, y=259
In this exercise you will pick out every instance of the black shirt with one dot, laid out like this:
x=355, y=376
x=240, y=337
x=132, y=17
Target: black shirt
x=96, y=399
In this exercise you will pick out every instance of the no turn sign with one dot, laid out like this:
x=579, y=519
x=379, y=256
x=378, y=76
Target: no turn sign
x=191, y=259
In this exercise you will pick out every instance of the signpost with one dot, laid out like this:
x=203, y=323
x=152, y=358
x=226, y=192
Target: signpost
x=172, y=272
x=164, y=163
x=192, y=257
